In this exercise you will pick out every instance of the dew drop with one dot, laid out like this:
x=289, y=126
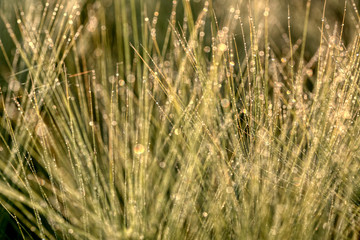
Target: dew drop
x=139, y=149
x=207, y=49
x=225, y=103
x=222, y=47
x=162, y=165
x=121, y=82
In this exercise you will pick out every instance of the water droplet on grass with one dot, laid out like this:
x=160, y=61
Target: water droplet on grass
x=139, y=149
x=162, y=164
x=177, y=131
x=121, y=82
x=225, y=103
x=229, y=190
x=222, y=47
x=207, y=49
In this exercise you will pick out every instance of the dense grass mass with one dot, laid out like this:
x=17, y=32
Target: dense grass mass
x=135, y=119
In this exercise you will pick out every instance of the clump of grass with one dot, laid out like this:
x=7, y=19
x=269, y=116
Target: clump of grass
x=110, y=130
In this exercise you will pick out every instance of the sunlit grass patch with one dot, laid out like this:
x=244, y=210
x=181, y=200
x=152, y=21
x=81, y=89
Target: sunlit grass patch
x=119, y=125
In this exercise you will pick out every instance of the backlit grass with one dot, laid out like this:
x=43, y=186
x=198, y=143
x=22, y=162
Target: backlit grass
x=120, y=123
